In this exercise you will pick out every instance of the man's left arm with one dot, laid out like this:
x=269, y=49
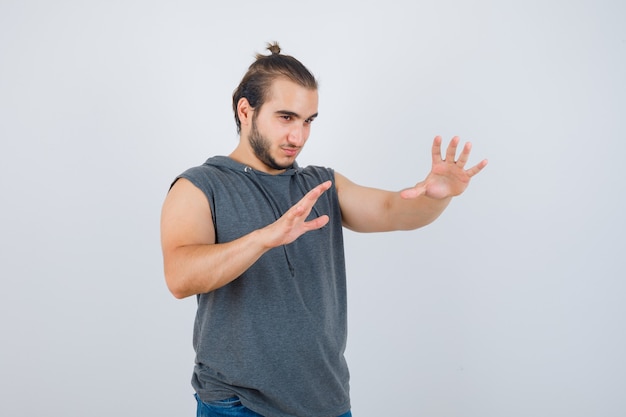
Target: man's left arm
x=367, y=209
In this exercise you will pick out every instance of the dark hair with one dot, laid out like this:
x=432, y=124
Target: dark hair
x=256, y=83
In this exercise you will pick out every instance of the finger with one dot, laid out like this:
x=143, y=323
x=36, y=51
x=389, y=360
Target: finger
x=302, y=207
x=464, y=155
x=316, y=223
x=451, y=151
x=312, y=196
x=322, y=187
x=436, y=149
x=413, y=192
x=477, y=168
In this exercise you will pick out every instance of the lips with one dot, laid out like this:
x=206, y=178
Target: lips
x=290, y=151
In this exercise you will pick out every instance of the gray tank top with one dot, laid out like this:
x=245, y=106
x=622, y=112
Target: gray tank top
x=275, y=336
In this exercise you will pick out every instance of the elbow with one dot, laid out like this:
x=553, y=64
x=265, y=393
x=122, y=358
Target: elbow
x=179, y=295
x=175, y=286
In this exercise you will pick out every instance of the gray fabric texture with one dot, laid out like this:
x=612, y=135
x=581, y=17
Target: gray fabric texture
x=276, y=335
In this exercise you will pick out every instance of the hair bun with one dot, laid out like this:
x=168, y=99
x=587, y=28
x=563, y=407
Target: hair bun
x=273, y=48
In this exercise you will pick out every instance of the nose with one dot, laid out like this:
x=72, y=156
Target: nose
x=298, y=135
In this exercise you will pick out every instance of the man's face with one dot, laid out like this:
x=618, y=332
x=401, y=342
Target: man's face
x=281, y=127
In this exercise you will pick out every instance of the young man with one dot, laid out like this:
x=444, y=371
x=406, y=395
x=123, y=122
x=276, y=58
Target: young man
x=259, y=240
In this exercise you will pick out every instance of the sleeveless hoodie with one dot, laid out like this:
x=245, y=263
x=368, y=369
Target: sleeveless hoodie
x=275, y=336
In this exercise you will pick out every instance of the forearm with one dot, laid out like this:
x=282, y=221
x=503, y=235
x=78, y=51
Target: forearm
x=410, y=214
x=201, y=268
x=369, y=210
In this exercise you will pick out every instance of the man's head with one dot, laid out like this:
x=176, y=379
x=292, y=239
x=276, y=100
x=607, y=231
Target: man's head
x=273, y=136
x=257, y=82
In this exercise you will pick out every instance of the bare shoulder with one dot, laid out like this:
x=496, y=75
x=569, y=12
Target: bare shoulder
x=352, y=193
x=365, y=209
x=347, y=191
x=342, y=183
x=184, y=191
x=186, y=217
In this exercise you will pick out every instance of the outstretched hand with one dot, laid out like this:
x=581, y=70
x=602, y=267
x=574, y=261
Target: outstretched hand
x=448, y=177
x=293, y=224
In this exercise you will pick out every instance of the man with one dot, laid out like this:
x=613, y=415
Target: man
x=258, y=240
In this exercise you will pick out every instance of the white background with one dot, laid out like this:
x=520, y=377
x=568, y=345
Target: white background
x=511, y=304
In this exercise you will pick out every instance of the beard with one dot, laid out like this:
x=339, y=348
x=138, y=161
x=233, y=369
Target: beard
x=261, y=148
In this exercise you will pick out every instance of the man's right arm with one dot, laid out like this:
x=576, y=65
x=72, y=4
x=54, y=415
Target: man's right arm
x=194, y=263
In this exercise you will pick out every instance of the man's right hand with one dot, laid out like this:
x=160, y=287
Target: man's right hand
x=293, y=224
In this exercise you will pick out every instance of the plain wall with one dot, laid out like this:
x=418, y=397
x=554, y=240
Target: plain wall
x=511, y=304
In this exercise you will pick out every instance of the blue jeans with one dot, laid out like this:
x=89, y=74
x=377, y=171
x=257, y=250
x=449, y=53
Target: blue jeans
x=230, y=407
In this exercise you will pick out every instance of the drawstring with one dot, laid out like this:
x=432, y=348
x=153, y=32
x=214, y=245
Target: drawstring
x=275, y=209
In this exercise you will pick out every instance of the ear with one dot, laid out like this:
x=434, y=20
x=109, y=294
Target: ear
x=244, y=111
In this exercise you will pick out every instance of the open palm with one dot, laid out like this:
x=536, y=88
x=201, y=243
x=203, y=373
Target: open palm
x=448, y=176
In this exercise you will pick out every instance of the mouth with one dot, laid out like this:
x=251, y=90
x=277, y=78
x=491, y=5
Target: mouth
x=290, y=152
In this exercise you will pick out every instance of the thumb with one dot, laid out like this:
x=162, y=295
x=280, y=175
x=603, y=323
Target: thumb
x=413, y=192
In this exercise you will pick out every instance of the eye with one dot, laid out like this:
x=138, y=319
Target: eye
x=309, y=121
x=286, y=117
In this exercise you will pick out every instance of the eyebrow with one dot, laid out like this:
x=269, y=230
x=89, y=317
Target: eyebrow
x=294, y=114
